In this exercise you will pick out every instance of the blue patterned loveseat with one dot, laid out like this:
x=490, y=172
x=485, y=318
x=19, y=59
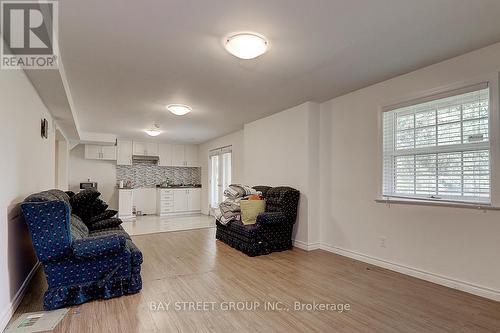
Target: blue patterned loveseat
x=273, y=230
x=80, y=265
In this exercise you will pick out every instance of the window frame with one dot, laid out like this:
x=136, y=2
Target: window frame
x=494, y=136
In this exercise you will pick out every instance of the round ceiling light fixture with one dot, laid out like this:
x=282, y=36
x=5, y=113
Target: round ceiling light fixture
x=179, y=109
x=154, y=131
x=246, y=45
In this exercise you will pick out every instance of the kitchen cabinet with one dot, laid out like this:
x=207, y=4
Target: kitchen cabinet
x=98, y=152
x=178, y=155
x=108, y=153
x=125, y=203
x=185, y=155
x=178, y=201
x=164, y=201
x=145, y=148
x=194, y=199
x=92, y=152
x=165, y=154
x=145, y=200
x=124, y=152
x=191, y=155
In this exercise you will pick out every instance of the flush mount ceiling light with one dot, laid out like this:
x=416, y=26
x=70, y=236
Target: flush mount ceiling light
x=154, y=131
x=246, y=45
x=179, y=109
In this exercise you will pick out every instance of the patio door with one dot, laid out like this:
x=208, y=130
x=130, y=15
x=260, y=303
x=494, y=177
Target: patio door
x=219, y=174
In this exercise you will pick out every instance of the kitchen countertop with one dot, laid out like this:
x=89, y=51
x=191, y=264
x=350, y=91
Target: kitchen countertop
x=178, y=186
x=160, y=187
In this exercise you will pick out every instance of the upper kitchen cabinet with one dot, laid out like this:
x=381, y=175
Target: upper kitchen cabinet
x=152, y=149
x=185, y=155
x=124, y=152
x=98, y=152
x=191, y=155
x=92, y=152
x=178, y=155
x=145, y=148
x=165, y=154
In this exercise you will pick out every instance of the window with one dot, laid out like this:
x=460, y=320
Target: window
x=438, y=148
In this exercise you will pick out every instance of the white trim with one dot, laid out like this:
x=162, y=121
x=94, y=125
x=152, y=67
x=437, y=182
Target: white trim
x=437, y=95
x=306, y=246
x=417, y=273
x=429, y=202
x=9, y=311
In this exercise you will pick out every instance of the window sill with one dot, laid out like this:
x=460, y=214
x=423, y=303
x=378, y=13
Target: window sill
x=403, y=201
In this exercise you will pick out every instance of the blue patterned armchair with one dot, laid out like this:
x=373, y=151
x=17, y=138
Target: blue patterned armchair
x=80, y=265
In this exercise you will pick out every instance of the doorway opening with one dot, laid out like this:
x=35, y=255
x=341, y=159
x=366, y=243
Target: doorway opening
x=220, y=168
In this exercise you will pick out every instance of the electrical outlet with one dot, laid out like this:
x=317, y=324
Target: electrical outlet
x=382, y=241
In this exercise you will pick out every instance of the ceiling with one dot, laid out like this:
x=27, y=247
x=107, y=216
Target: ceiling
x=125, y=60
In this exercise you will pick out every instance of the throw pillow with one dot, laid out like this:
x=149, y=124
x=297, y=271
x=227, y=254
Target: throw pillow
x=103, y=216
x=104, y=224
x=83, y=199
x=250, y=209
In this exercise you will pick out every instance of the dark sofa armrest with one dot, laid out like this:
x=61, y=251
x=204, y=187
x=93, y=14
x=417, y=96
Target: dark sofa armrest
x=91, y=247
x=272, y=218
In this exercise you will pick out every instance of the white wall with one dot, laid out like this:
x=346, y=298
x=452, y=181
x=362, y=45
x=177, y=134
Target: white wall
x=461, y=245
x=282, y=150
x=234, y=139
x=28, y=166
x=102, y=172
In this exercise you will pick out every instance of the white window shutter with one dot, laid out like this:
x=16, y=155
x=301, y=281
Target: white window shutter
x=438, y=148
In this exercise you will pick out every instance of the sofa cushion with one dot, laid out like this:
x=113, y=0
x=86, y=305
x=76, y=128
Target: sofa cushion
x=107, y=223
x=86, y=212
x=107, y=214
x=84, y=197
x=78, y=229
x=113, y=230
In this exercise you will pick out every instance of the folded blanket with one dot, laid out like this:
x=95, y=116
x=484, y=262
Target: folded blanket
x=235, y=191
x=230, y=210
x=225, y=218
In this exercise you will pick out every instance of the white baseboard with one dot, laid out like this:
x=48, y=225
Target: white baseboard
x=306, y=246
x=420, y=274
x=12, y=307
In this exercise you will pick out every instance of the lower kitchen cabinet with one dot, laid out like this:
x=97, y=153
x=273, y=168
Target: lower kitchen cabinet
x=125, y=203
x=178, y=201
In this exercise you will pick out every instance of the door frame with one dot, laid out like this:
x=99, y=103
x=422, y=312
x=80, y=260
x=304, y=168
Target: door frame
x=217, y=152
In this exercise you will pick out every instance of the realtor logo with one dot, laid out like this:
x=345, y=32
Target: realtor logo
x=29, y=34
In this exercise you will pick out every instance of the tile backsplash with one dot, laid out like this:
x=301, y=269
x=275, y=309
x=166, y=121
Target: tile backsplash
x=149, y=175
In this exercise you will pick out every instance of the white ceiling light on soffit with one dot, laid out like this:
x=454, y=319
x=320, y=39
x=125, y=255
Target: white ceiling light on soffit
x=153, y=131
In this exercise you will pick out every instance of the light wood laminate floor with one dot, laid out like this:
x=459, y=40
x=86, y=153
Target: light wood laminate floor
x=192, y=266
x=152, y=224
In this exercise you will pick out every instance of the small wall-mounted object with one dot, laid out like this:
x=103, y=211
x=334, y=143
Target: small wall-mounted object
x=44, y=128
